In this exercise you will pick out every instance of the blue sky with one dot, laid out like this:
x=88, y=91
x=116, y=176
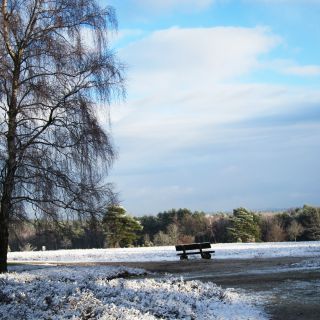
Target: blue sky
x=222, y=107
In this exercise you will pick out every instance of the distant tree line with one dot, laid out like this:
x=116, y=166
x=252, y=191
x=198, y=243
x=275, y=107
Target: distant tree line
x=183, y=226
x=116, y=228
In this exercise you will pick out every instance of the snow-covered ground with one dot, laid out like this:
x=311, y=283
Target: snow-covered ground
x=98, y=293
x=223, y=251
x=105, y=292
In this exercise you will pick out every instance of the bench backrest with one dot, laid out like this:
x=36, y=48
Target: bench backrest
x=193, y=246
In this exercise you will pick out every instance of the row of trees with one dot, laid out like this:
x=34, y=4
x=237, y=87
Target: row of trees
x=116, y=228
x=183, y=226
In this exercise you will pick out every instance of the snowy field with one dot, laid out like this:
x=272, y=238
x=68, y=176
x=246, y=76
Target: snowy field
x=107, y=293
x=223, y=251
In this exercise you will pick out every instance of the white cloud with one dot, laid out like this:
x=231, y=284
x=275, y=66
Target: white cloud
x=196, y=57
x=308, y=70
x=180, y=87
x=290, y=67
x=186, y=109
x=179, y=122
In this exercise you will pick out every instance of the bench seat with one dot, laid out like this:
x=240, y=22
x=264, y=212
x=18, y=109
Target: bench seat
x=185, y=248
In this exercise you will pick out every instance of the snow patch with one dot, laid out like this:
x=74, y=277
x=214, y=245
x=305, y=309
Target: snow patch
x=223, y=251
x=98, y=293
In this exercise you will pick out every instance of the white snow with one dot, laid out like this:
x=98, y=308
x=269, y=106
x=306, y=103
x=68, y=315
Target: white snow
x=223, y=251
x=95, y=292
x=106, y=292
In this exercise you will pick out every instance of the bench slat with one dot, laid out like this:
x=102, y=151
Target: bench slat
x=193, y=246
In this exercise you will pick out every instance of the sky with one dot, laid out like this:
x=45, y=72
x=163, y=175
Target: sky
x=222, y=107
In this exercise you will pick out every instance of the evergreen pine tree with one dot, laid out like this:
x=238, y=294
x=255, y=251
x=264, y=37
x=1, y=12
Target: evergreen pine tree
x=244, y=226
x=121, y=229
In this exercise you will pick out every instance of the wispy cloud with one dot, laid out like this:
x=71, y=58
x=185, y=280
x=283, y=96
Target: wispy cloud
x=182, y=84
x=309, y=70
x=196, y=57
x=290, y=67
x=187, y=111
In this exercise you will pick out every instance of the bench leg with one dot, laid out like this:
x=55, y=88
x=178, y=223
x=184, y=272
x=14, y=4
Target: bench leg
x=205, y=255
x=184, y=257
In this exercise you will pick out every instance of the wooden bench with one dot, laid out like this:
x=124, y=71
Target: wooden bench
x=194, y=246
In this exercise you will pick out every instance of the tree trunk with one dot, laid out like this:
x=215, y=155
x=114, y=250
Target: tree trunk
x=5, y=209
x=3, y=242
x=7, y=191
x=8, y=184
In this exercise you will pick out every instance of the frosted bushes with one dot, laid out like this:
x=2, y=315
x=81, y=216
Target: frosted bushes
x=97, y=293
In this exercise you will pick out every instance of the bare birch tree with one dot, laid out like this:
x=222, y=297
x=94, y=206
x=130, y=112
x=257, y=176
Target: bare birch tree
x=55, y=64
